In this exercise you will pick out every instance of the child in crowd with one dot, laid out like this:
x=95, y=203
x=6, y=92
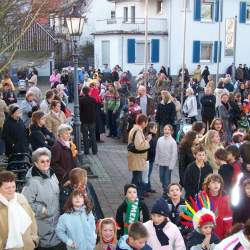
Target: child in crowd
x=136, y=238
x=163, y=234
x=175, y=204
x=233, y=156
x=203, y=237
x=76, y=227
x=241, y=210
x=152, y=127
x=213, y=186
x=217, y=125
x=131, y=210
x=166, y=156
x=196, y=172
x=226, y=170
x=107, y=231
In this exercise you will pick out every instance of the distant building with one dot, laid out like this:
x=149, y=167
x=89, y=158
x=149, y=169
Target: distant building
x=119, y=38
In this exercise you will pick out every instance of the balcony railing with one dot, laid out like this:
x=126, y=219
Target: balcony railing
x=133, y=25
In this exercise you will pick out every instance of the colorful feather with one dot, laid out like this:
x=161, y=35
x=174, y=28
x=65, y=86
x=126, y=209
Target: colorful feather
x=184, y=216
x=187, y=224
x=193, y=203
x=190, y=208
x=198, y=202
x=185, y=211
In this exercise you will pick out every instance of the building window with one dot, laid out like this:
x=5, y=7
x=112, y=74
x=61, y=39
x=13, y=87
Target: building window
x=125, y=14
x=207, y=10
x=206, y=53
x=159, y=6
x=140, y=51
x=112, y=14
x=132, y=14
x=248, y=12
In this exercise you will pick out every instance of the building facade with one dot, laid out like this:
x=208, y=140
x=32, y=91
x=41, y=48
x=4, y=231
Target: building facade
x=119, y=39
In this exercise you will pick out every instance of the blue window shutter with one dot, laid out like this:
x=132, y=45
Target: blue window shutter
x=155, y=50
x=243, y=12
x=197, y=10
x=216, y=51
x=196, y=51
x=131, y=50
x=217, y=10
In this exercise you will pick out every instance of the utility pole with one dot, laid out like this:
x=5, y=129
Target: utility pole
x=219, y=41
x=184, y=52
x=146, y=38
x=235, y=45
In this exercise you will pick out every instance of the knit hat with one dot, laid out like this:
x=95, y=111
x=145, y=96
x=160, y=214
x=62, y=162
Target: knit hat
x=160, y=207
x=13, y=108
x=127, y=186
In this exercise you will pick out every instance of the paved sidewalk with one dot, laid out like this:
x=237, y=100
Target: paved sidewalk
x=111, y=167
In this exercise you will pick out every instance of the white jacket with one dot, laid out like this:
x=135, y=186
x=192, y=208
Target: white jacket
x=231, y=242
x=190, y=106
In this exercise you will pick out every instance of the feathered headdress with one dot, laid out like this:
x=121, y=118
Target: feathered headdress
x=198, y=211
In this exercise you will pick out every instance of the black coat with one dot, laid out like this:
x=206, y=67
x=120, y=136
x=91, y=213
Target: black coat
x=205, y=75
x=194, y=178
x=208, y=107
x=185, y=158
x=87, y=105
x=196, y=239
x=151, y=151
x=15, y=136
x=40, y=137
x=227, y=171
x=166, y=114
x=9, y=97
x=121, y=212
x=65, y=192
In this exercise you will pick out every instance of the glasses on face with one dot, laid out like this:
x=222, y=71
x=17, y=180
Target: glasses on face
x=44, y=161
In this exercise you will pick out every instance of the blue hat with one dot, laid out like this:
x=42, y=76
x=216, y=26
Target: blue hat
x=160, y=207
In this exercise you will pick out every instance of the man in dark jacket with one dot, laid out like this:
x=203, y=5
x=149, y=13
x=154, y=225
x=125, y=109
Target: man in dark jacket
x=208, y=107
x=87, y=106
x=14, y=132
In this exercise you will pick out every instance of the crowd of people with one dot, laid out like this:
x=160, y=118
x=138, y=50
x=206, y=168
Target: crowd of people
x=207, y=139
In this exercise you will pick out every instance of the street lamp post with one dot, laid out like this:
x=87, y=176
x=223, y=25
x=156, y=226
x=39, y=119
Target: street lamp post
x=75, y=23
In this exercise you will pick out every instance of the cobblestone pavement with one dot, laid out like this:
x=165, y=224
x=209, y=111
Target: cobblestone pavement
x=110, y=164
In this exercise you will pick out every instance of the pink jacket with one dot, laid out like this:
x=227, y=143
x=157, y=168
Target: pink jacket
x=54, y=78
x=176, y=241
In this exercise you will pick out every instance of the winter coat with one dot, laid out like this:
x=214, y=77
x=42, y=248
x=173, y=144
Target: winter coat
x=150, y=105
x=166, y=152
x=77, y=227
x=152, y=149
x=15, y=137
x=197, y=75
x=3, y=110
x=54, y=78
x=205, y=75
x=87, y=105
x=227, y=171
x=27, y=109
x=111, y=101
x=225, y=115
x=176, y=241
x=196, y=239
x=222, y=205
x=121, y=212
x=62, y=161
x=190, y=106
x=137, y=162
x=30, y=238
x=123, y=245
x=185, y=158
x=239, y=74
x=53, y=122
x=218, y=92
x=194, y=178
x=65, y=192
x=42, y=192
x=233, y=242
x=166, y=113
x=40, y=137
x=208, y=107
x=9, y=97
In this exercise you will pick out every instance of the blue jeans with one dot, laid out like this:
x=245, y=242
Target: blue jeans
x=112, y=123
x=137, y=180
x=165, y=177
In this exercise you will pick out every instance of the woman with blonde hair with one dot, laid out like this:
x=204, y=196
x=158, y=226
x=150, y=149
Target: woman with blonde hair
x=166, y=111
x=211, y=141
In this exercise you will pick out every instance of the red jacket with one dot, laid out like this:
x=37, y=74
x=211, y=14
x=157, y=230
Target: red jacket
x=224, y=219
x=95, y=93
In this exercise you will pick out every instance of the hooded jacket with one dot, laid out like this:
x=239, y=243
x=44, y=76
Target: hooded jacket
x=42, y=192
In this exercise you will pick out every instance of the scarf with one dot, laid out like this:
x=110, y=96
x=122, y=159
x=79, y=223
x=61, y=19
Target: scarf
x=18, y=222
x=132, y=214
x=161, y=236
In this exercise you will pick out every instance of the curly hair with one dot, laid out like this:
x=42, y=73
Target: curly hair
x=209, y=179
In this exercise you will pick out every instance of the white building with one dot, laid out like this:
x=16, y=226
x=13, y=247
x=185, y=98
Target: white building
x=119, y=39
